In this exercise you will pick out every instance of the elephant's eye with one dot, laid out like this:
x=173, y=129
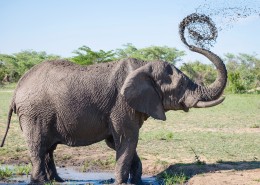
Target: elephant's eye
x=168, y=80
x=181, y=84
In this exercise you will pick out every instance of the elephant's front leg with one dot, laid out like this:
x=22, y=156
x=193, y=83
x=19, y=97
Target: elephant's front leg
x=136, y=166
x=124, y=157
x=136, y=170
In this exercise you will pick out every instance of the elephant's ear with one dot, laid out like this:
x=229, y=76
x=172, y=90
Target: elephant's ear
x=140, y=93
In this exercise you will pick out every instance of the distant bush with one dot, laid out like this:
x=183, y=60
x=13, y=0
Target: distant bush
x=200, y=73
x=243, y=69
x=17, y=64
x=243, y=73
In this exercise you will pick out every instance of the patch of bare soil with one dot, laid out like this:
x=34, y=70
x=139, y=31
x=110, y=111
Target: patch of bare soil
x=229, y=177
x=228, y=173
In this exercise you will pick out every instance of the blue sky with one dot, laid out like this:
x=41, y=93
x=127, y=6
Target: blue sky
x=61, y=26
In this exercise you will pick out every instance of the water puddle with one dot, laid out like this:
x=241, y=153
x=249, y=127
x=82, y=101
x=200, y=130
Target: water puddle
x=74, y=177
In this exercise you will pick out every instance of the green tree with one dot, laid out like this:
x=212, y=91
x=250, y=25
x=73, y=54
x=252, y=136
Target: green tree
x=235, y=84
x=244, y=72
x=8, y=67
x=27, y=59
x=86, y=56
x=203, y=74
x=17, y=64
x=129, y=51
x=164, y=53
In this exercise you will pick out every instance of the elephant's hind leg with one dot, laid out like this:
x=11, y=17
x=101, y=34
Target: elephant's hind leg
x=38, y=174
x=37, y=148
x=50, y=166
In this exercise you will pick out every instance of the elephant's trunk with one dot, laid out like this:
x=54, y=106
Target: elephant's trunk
x=206, y=96
x=214, y=90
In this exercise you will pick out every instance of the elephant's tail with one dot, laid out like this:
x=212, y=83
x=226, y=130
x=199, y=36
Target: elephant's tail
x=8, y=124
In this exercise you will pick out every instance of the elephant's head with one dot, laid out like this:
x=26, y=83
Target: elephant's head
x=158, y=86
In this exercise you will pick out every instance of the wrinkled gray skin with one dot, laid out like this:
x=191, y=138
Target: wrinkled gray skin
x=59, y=102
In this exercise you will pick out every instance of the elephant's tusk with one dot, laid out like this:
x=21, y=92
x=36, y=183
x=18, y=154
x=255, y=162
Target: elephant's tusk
x=204, y=104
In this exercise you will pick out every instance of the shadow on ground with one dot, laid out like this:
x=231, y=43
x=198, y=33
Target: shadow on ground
x=192, y=169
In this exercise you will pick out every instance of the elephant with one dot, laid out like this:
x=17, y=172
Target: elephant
x=60, y=102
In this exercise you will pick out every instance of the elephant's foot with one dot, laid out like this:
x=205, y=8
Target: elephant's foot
x=39, y=180
x=55, y=177
x=137, y=182
x=140, y=182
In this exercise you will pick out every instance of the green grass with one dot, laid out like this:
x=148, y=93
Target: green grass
x=223, y=132
x=103, y=164
x=15, y=146
x=257, y=180
x=255, y=126
x=228, y=132
x=172, y=179
x=7, y=87
x=22, y=169
x=7, y=172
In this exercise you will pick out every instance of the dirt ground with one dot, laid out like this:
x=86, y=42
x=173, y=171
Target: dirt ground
x=238, y=173
x=102, y=159
x=222, y=173
x=98, y=158
x=227, y=177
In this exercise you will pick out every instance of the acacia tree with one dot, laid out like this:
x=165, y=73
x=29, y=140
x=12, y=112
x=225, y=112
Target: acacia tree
x=164, y=53
x=17, y=64
x=128, y=51
x=86, y=56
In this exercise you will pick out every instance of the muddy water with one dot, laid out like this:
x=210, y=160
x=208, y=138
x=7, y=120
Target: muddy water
x=74, y=177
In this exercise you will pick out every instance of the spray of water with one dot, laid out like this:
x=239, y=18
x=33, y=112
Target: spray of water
x=227, y=13
x=201, y=28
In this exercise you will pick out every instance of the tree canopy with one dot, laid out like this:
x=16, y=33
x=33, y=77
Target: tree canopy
x=164, y=53
x=86, y=56
x=243, y=69
x=17, y=64
x=203, y=74
x=243, y=72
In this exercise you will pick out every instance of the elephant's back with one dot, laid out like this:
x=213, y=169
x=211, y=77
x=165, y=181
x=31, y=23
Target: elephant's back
x=62, y=86
x=61, y=82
